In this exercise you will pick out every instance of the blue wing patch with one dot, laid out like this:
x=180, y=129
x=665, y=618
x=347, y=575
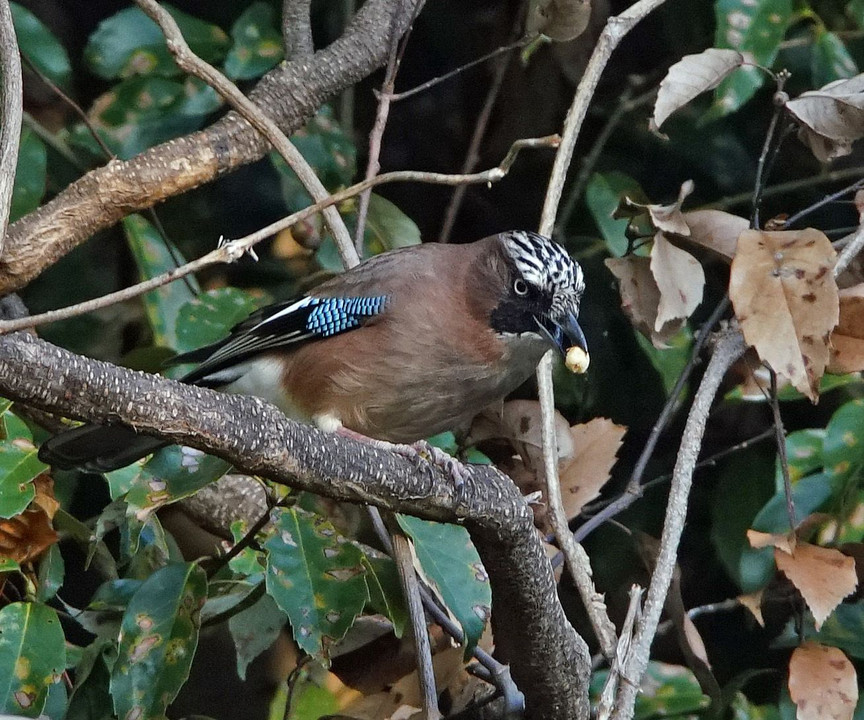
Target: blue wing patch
x=333, y=315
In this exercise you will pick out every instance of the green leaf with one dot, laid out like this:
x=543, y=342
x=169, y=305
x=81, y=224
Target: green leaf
x=666, y=691
x=129, y=43
x=388, y=228
x=451, y=562
x=158, y=638
x=12, y=427
x=671, y=360
x=855, y=9
x=30, y=175
x=8, y=565
x=804, y=455
x=808, y=495
x=755, y=28
x=210, y=316
x=19, y=465
x=254, y=630
x=744, y=487
x=153, y=258
x=257, y=43
x=144, y=111
x=603, y=194
x=831, y=60
x=51, y=571
x=385, y=591
x=32, y=657
x=90, y=699
x=41, y=47
x=316, y=577
x=842, y=447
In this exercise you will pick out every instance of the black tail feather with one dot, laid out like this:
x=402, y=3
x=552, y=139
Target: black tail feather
x=97, y=448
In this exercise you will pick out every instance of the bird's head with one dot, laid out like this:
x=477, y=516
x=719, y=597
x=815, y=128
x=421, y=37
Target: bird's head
x=544, y=289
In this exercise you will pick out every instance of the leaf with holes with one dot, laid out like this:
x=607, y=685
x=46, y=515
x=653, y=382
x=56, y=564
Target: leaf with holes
x=785, y=297
x=158, y=637
x=316, y=577
x=32, y=657
x=451, y=562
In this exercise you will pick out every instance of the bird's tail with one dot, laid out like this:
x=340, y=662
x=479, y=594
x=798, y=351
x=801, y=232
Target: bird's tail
x=97, y=448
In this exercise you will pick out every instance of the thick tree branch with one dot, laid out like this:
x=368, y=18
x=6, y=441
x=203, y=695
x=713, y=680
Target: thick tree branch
x=292, y=92
x=297, y=30
x=10, y=113
x=544, y=650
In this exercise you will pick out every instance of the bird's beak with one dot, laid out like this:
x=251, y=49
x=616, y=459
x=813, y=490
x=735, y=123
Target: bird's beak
x=566, y=335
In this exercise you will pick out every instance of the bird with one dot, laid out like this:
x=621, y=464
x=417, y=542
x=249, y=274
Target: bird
x=408, y=344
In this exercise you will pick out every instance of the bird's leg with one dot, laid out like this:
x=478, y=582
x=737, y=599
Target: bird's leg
x=420, y=450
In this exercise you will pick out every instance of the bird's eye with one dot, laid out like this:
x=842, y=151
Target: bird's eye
x=520, y=287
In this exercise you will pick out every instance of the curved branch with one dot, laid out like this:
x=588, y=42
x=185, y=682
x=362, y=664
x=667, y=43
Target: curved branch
x=292, y=92
x=11, y=112
x=549, y=661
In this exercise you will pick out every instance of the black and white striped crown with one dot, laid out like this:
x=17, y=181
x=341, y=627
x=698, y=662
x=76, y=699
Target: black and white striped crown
x=544, y=263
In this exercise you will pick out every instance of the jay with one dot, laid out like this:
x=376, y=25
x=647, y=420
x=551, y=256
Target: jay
x=405, y=345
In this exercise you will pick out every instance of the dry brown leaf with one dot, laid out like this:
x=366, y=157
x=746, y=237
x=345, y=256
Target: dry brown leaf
x=667, y=218
x=560, y=20
x=716, y=230
x=847, y=340
x=25, y=537
x=823, y=576
x=679, y=277
x=596, y=445
x=753, y=602
x=691, y=76
x=640, y=297
x=831, y=118
x=785, y=298
x=822, y=682
x=785, y=541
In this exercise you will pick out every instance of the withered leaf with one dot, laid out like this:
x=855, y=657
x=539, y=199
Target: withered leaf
x=679, y=278
x=716, y=230
x=822, y=682
x=823, y=576
x=847, y=340
x=559, y=20
x=595, y=446
x=831, y=118
x=691, y=76
x=640, y=297
x=785, y=297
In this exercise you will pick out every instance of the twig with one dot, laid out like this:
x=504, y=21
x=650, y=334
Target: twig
x=759, y=184
x=297, y=29
x=855, y=245
x=11, y=106
x=402, y=556
x=373, y=166
x=473, y=155
x=857, y=185
x=780, y=434
x=728, y=349
x=234, y=250
x=634, y=487
x=610, y=688
x=462, y=68
x=253, y=114
x=616, y=28
x=574, y=554
x=626, y=105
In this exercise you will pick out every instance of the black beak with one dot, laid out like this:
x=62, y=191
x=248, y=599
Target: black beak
x=564, y=332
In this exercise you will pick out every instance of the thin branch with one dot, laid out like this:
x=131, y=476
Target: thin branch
x=234, y=250
x=634, y=487
x=759, y=184
x=11, y=106
x=854, y=187
x=255, y=116
x=850, y=251
x=616, y=28
x=574, y=554
x=473, y=155
x=373, y=166
x=297, y=30
x=462, y=68
x=780, y=435
x=728, y=349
